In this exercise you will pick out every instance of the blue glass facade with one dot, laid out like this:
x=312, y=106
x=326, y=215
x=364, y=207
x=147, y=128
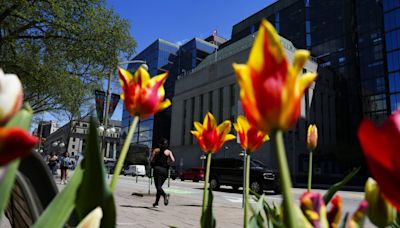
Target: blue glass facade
x=162, y=56
x=391, y=10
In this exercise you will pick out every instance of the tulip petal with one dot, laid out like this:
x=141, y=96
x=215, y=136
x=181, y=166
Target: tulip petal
x=92, y=220
x=15, y=143
x=199, y=127
x=224, y=128
x=209, y=121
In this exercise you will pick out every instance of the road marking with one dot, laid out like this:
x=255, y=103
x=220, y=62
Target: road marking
x=177, y=191
x=233, y=199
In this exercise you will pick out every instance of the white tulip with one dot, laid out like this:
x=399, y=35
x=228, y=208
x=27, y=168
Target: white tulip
x=11, y=96
x=92, y=220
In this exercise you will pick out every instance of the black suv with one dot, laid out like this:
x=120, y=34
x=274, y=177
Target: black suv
x=229, y=171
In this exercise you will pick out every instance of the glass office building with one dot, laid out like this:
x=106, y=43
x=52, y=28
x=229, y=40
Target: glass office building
x=357, y=39
x=391, y=10
x=162, y=56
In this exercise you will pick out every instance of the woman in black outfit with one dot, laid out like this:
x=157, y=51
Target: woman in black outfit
x=161, y=157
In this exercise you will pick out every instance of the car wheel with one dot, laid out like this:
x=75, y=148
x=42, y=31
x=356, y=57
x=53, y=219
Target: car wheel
x=195, y=179
x=235, y=187
x=214, y=184
x=174, y=178
x=255, y=186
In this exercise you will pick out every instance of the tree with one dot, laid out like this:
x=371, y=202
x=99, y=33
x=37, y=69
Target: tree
x=50, y=43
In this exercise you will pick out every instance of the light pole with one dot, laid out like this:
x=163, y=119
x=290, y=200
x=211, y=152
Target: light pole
x=108, y=95
x=58, y=144
x=244, y=155
x=202, y=158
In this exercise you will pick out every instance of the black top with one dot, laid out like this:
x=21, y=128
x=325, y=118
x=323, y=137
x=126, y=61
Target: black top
x=161, y=159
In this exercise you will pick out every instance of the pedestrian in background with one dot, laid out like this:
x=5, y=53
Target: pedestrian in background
x=161, y=158
x=52, y=160
x=65, y=163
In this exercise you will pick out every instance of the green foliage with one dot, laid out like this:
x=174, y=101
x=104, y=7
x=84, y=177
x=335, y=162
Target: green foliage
x=58, y=211
x=50, y=43
x=207, y=219
x=22, y=120
x=94, y=191
x=336, y=187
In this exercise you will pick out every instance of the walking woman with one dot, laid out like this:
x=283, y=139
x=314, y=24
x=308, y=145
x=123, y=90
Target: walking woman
x=160, y=159
x=65, y=163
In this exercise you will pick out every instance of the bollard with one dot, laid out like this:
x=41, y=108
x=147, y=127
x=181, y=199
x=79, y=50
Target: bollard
x=151, y=176
x=169, y=176
x=136, y=174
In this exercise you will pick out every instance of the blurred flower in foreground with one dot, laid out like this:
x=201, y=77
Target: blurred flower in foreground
x=380, y=212
x=381, y=149
x=11, y=96
x=335, y=213
x=15, y=143
x=357, y=219
x=313, y=207
x=143, y=96
x=250, y=137
x=92, y=220
x=210, y=136
x=312, y=137
x=270, y=89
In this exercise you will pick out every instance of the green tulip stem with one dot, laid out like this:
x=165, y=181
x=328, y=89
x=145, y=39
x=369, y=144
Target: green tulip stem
x=246, y=191
x=286, y=184
x=123, y=153
x=309, y=172
x=205, y=193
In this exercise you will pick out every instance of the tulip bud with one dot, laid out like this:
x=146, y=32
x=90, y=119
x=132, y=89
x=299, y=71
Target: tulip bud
x=11, y=96
x=380, y=212
x=312, y=137
x=357, y=219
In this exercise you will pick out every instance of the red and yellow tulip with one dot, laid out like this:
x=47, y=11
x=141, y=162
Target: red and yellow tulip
x=11, y=96
x=271, y=89
x=335, y=213
x=357, y=219
x=381, y=150
x=210, y=136
x=143, y=96
x=15, y=143
x=314, y=209
x=250, y=137
x=312, y=137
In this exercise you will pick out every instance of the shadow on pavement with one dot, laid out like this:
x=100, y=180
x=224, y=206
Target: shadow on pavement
x=188, y=205
x=143, y=207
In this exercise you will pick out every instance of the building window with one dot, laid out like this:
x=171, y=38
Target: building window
x=210, y=101
x=201, y=106
x=73, y=146
x=221, y=105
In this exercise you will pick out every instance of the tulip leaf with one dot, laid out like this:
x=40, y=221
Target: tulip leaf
x=60, y=208
x=336, y=187
x=344, y=222
x=207, y=219
x=257, y=220
x=7, y=178
x=94, y=190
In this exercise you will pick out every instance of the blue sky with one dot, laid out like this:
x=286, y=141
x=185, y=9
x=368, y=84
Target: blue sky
x=180, y=20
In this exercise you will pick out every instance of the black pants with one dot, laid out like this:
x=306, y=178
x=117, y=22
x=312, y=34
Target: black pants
x=160, y=175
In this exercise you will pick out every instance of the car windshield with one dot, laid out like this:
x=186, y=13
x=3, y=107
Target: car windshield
x=256, y=163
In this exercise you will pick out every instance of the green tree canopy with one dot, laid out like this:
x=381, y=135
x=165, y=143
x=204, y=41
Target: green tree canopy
x=50, y=43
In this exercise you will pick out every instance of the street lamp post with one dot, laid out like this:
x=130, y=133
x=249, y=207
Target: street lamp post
x=108, y=95
x=202, y=157
x=243, y=154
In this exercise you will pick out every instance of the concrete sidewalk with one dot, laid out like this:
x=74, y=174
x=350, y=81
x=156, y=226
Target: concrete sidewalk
x=184, y=210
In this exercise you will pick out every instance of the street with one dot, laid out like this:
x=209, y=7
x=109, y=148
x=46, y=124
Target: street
x=185, y=204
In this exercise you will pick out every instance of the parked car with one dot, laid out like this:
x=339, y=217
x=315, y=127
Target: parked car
x=229, y=171
x=134, y=170
x=195, y=174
